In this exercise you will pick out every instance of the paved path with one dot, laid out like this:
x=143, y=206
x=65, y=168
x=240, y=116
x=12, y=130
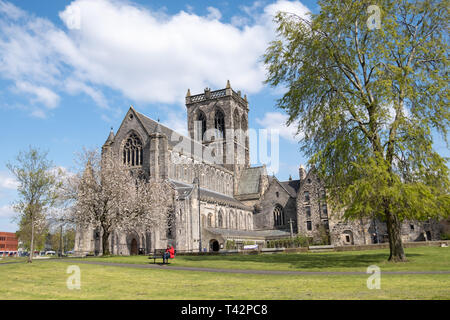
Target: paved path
x=280, y=272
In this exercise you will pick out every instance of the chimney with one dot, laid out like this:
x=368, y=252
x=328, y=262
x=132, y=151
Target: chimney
x=302, y=172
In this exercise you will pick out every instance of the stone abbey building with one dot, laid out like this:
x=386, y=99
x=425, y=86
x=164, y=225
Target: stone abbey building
x=221, y=199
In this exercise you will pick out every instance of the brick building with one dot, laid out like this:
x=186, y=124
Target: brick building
x=8, y=242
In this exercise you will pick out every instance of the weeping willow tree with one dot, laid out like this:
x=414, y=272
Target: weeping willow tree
x=368, y=87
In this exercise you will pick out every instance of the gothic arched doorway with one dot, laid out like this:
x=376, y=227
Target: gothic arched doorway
x=214, y=245
x=134, y=247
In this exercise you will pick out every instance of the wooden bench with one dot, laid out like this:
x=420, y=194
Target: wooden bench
x=158, y=254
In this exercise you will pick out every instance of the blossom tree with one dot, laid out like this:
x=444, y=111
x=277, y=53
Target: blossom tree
x=108, y=195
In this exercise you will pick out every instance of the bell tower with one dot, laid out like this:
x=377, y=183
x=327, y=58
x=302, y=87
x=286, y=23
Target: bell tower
x=219, y=119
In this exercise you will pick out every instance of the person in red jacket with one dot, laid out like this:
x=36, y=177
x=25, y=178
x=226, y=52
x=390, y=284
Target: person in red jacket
x=169, y=254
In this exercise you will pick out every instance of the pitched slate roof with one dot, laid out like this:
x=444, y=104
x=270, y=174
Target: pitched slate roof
x=184, y=190
x=193, y=146
x=291, y=186
x=250, y=180
x=153, y=126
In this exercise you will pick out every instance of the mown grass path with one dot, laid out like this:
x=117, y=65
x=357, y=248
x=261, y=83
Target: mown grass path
x=48, y=280
x=250, y=271
x=419, y=259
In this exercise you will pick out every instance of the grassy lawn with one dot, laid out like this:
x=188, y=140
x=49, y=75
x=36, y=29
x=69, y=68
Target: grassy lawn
x=420, y=259
x=12, y=259
x=47, y=280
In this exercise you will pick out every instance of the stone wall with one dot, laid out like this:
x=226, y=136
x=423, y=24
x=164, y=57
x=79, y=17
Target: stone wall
x=276, y=195
x=311, y=205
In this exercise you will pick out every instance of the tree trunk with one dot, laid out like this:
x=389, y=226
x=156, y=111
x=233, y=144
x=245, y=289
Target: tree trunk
x=105, y=243
x=30, y=257
x=397, y=253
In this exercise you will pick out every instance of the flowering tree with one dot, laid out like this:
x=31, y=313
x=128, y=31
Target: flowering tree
x=108, y=195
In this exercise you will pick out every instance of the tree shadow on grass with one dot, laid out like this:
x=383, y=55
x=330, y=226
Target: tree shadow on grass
x=303, y=260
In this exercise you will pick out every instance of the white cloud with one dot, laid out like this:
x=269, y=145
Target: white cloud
x=277, y=121
x=7, y=211
x=8, y=182
x=213, y=13
x=11, y=10
x=38, y=113
x=148, y=56
x=75, y=87
x=176, y=123
x=294, y=7
x=41, y=94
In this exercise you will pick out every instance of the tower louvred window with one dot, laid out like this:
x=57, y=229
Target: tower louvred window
x=219, y=124
x=202, y=120
x=132, y=151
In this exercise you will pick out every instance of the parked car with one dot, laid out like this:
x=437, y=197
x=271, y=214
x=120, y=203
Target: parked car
x=50, y=253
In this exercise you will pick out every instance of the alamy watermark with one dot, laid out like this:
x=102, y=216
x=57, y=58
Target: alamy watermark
x=73, y=282
x=374, y=281
x=229, y=147
x=374, y=20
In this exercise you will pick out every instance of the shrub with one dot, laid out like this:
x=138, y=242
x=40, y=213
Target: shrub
x=230, y=244
x=445, y=236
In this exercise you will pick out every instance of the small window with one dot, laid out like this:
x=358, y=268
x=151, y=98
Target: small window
x=308, y=212
x=277, y=194
x=347, y=238
x=411, y=226
x=306, y=194
x=308, y=225
x=324, y=210
x=309, y=180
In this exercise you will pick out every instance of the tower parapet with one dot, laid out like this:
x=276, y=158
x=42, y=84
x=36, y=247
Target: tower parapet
x=216, y=94
x=220, y=118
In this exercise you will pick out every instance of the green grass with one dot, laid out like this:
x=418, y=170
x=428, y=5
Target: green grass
x=419, y=259
x=12, y=259
x=47, y=280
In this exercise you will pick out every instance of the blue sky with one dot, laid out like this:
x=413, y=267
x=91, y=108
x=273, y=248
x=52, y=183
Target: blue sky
x=69, y=70
x=63, y=85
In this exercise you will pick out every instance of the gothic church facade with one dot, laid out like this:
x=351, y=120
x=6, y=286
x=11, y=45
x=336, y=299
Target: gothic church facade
x=221, y=198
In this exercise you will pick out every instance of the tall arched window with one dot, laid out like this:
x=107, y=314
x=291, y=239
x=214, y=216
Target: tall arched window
x=278, y=216
x=202, y=121
x=210, y=220
x=219, y=124
x=244, y=123
x=132, y=151
x=220, y=220
x=237, y=125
